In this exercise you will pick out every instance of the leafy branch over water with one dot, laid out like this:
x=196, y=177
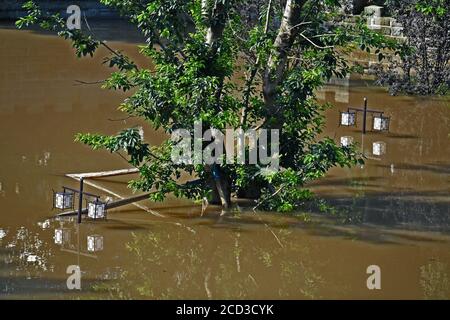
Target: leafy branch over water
x=231, y=64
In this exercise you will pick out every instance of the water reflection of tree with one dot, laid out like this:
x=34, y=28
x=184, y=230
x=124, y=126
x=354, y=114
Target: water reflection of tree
x=435, y=280
x=183, y=264
x=27, y=252
x=388, y=209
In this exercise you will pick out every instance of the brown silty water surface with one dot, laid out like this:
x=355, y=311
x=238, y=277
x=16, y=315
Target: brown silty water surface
x=392, y=212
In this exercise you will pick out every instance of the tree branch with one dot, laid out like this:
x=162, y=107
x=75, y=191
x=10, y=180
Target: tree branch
x=254, y=70
x=278, y=58
x=217, y=21
x=314, y=44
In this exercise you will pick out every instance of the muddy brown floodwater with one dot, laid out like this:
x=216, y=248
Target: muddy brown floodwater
x=392, y=212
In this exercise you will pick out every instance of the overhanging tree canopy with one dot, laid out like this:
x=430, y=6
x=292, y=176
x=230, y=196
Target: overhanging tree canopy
x=230, y=64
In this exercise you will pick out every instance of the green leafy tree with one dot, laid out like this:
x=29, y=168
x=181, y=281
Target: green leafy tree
x=424, y=69
x=231, y=64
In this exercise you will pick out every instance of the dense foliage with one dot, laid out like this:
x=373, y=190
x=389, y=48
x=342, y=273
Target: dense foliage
x=231, y=64
x=425, y=68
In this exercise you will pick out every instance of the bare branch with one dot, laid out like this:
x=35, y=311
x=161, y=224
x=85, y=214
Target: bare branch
x=269, y=10
x=299, y=25
x=122, y=119
x=80, y=82
x=314, y=44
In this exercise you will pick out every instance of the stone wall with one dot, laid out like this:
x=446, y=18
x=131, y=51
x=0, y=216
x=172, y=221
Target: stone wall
x=11, y=9
x=359, y=5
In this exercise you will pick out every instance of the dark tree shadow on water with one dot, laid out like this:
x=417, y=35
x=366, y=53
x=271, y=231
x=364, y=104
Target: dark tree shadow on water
x=106, y=29
x=434, y=168
x=22, y=287
x=382, y=218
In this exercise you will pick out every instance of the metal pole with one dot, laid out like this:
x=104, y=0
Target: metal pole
x=80, y=200
x=365, y=115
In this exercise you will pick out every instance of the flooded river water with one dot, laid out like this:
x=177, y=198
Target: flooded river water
x=392, y=212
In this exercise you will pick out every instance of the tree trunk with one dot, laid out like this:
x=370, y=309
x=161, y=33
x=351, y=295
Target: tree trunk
x=220, y=186
x=274, y=73
x=217, y=16
x=217, y=20
x=223, y=188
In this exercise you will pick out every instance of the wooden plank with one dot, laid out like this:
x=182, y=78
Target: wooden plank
x=123, y=201
x=102, y=174
x=79, y=253
x=140, y=206
x=92, y=184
